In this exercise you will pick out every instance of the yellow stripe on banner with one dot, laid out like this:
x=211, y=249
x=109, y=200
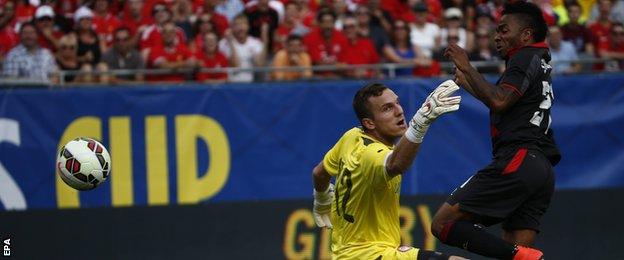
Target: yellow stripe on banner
x=425, y=219
x=88, y=126
x=190, y=128
x=157, y=166
x=121, y=160
x=409, y=219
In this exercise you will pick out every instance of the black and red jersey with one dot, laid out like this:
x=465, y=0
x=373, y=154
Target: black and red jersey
x=527, y=122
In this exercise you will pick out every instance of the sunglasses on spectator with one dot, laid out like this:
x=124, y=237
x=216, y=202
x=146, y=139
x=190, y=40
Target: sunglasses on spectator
x=351, y=25
x=617, y=33
x=399, y=25
x=68, y=47
x=159, y=8
x=120, y=39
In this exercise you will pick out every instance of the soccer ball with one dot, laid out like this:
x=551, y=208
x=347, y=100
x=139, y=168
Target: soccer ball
x=83, y=163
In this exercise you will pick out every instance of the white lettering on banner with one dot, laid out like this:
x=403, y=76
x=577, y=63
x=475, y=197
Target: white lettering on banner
x=11, y=195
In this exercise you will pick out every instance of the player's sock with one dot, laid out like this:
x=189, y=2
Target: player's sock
x=472, y=237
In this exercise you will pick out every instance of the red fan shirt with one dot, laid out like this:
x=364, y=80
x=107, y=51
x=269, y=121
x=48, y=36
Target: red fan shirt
x=320, y=48
x=216, y=61
x=178, y=53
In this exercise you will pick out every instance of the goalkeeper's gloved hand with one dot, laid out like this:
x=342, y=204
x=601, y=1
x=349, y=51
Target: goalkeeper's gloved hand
x=439, y=102
x=322, y=206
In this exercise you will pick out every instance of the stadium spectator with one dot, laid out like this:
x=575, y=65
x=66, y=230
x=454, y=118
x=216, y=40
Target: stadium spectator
x=201, y=28
x=170, y=54
x=483, y=19
x=30, y=61
x=452, y=37
x=379, y=17
x=89, y=45
x=400, y=9
x=325, y=43
x=453, y=22
x=361, y=51
x=600, y=30
x=261, y=15
x=307, y=9
x=465, y=7
x=276, y=5
x=401, y=50
x=424, y=34
x=49, y=35
x=292, y=24
x=65, y=10
x=134, y=17
x=183, y=15
x=242, y=50
x=559, y=7
x=562, y=52
x=219, y=21
x=24, y=12
x=341, y=12
x=484, y=51
x=366, y=29
x=616, y=12
x=210, y=57
x=577, y=33
x=616, y=49
x=230, y=8
x=293, y=55
x=8, y=37
x=104, y=22
x=67, y=58
x=123, y=56
x=547, y=11
x=152, y=36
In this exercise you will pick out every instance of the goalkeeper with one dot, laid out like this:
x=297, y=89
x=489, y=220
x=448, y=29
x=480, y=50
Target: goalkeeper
x=367, y=161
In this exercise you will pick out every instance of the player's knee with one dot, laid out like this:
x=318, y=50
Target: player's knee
x=441, y=230
x=436, y=227
x=444, y=219
x=439, y=220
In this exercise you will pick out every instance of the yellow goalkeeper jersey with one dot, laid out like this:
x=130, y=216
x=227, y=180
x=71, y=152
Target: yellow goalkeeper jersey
x=365, y=212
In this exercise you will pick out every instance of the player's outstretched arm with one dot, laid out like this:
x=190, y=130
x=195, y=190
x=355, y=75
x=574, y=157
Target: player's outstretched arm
x=439, y=102
x=497, y=98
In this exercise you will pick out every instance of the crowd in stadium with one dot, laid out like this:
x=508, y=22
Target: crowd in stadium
x=39, y=38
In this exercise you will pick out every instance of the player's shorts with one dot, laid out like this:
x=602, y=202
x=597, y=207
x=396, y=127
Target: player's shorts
x=515, y=189
x=401, y=253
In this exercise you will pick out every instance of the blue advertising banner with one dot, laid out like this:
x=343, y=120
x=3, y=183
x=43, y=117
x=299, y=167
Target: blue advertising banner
x=187, y=144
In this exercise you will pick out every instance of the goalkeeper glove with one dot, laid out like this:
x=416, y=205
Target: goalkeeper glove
x=439, y=102
x=322, y=206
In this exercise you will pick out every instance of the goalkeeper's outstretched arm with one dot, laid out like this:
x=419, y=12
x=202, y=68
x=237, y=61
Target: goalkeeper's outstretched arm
x=439, y=102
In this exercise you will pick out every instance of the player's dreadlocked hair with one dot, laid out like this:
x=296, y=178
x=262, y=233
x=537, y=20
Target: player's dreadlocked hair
x=360, y=101
x=529, y=15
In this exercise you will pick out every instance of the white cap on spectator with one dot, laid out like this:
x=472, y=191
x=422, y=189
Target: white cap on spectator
x=453, y=12
x=44, y=11
x=83, y=12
